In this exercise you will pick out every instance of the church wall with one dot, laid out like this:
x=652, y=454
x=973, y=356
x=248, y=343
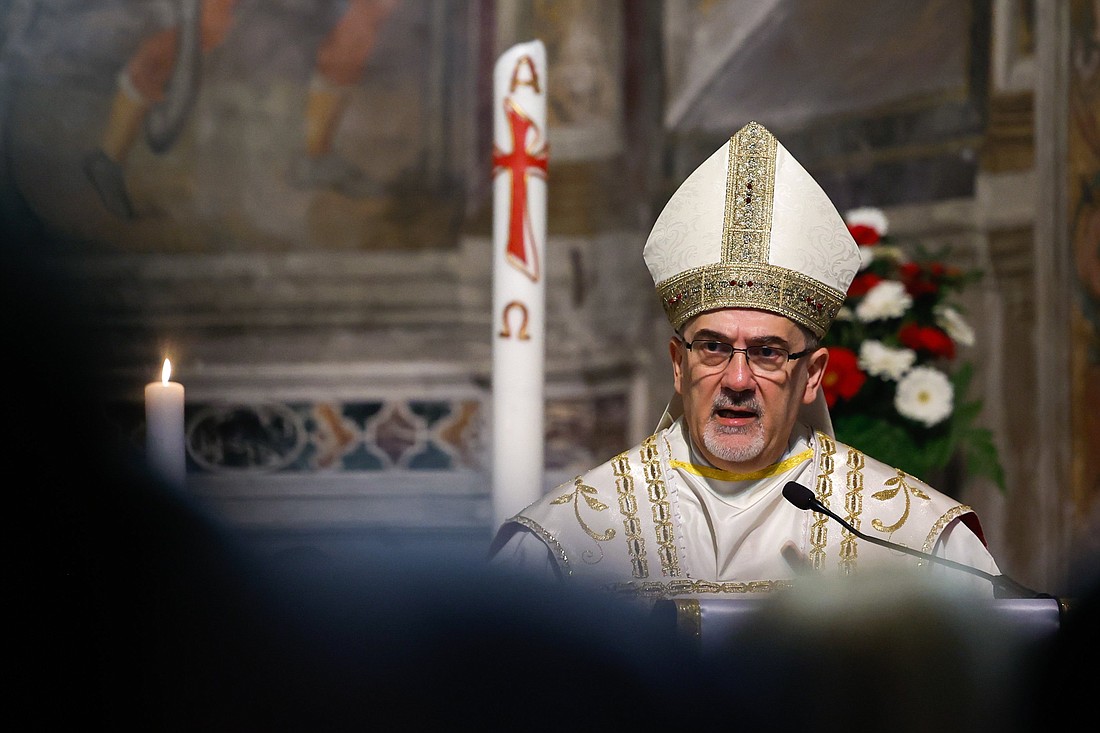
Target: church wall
x=334, y=344
x=336, y=348
x=1083, y=212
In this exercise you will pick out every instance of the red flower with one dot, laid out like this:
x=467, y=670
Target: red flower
x=862, y=283
x=919, y=281
x=843, y=377
x=928, y=339
x=863, y=234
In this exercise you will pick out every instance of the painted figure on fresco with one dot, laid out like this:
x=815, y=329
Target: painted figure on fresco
x=159, y=82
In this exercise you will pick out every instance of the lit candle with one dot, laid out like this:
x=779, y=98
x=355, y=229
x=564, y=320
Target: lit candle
x=164, y=439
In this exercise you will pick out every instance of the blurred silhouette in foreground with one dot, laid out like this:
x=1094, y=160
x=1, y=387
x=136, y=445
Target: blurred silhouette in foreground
x=882, y=651
x=135, y=609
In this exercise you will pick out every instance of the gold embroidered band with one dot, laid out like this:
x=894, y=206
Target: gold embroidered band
x=628, y=507
x=659, y=504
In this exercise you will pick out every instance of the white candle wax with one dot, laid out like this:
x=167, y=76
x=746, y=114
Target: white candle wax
x=164, y=430
x=520, y=159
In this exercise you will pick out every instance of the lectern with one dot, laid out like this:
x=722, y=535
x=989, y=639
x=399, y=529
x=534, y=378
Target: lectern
x=711, y=623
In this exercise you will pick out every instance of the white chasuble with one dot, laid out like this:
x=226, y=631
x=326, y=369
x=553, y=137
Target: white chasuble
x=659, y=521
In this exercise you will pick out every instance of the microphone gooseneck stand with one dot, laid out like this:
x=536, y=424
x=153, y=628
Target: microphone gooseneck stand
x=1003, y=586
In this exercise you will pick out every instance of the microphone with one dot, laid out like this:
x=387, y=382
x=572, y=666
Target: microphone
x=1003, y=586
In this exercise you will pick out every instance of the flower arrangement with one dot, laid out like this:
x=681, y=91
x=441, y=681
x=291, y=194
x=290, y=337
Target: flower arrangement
x=893, y=383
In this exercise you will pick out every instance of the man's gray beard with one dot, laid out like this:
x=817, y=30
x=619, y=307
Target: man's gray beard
x=714, y=435
x=714, y=438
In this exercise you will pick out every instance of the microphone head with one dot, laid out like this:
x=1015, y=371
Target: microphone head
x=799, y=495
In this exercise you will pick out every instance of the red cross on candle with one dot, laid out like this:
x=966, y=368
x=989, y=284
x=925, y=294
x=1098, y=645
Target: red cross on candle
x=523, y=160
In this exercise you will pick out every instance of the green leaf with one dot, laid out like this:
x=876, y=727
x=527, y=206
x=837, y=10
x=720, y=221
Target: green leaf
x=960, y=378
x=982, y=458
x=938, y=451
x=966, y=413
x=889, y=442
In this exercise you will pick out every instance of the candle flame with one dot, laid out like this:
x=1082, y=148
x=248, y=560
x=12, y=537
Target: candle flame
x=165, y=372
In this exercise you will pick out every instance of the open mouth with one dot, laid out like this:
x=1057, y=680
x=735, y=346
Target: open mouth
x=735, y=413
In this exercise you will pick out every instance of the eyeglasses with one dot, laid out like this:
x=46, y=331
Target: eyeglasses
x=717, y=354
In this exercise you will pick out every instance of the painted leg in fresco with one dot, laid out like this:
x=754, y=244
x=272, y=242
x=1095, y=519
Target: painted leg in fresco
x=338, y=68
x=156, y=78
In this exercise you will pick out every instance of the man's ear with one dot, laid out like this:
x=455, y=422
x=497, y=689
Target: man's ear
x=677, y=365
x=815, y=372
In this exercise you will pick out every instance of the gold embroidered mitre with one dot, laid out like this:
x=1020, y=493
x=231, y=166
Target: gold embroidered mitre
x=750, y=228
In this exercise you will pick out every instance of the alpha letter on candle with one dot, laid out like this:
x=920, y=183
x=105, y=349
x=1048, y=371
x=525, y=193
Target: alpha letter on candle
x=164, y=438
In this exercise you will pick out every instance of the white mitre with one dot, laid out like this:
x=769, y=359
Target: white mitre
x=750, y=228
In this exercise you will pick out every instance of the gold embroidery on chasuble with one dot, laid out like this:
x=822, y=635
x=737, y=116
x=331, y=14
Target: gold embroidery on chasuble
x=689, y=618
x=894, y=486
x=548, y=538
x=588, y=493
x=628, y=506
x=853, y=508
x=657, y=590
x=662, y=511
x=823, y=487
x=934, y=534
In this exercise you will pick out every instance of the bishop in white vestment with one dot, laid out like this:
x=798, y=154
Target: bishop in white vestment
x=752, y=263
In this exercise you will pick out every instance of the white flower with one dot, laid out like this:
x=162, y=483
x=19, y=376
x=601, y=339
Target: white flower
x=951, y=321
x=844, y=314
x=866, y=256
x=879, y=360
x=871, y=252
x=925, y=395
x=868, y=216
x=888, y=299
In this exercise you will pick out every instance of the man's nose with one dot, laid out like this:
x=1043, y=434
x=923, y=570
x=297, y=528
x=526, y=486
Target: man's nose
x=738, y=375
